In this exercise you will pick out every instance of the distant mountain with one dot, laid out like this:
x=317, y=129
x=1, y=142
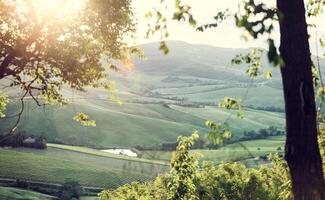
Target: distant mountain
x=186, y=59
x=189, y=65
x=196, y=59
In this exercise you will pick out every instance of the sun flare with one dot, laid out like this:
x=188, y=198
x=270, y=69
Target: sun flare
x=63, y=7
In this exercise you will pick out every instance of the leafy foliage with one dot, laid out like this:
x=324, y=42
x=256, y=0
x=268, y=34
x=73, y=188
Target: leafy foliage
x=255, y=26
x=133, y=191
x=315, y=75
x=321, y=93
x=188, y=180
x=322, y=42
x=209, y=181
x=3, y=104
x=110, y=86
x=314, y=7
x=236, y=181
x=43, y=49
x=158, y=22
x=231, y=103
x=180, y=184
x=84, y=119
x=257, y=19
x=220, y=17
x=253, y=60
x=218, y=132
x=321, y=136
x=70, y=190
x=183, y=13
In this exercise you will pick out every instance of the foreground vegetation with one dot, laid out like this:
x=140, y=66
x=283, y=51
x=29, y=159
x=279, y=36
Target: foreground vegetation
x=224, y=181
x=190, y=180
x=232, y=180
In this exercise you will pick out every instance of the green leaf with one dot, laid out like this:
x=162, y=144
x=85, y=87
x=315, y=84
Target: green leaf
x=267, y=74
x=163, y=47
x=4, y=100
x=218, y=132
x=84, y=119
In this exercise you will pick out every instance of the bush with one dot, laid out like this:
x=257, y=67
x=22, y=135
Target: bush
x=188, y=181
x=22, y=183
x=70, y=189
x=20, y=139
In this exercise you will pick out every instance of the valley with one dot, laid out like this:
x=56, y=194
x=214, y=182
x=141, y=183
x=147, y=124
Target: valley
x=163, y=97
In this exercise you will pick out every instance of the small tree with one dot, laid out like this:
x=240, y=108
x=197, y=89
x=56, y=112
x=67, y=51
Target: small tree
x=184, y=165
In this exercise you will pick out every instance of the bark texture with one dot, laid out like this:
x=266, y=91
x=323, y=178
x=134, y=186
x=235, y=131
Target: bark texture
x=301, y=149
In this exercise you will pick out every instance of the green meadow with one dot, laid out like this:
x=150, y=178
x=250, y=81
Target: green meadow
x=7, y=193
x=89, y=167
x=238, y=151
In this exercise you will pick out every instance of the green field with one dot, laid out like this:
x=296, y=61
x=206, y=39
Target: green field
x=88, y=167
x=96, y=168
x=257, y=96
x=7, y=193
x=253, y=119
x=132, y=124
x=233, y=152
x=96, y=152
x=117, y=126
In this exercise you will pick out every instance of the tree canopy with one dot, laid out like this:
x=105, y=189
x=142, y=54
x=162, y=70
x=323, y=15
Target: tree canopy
x=46, y=45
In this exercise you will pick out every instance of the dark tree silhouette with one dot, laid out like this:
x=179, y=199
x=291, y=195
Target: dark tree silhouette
x=301, y=149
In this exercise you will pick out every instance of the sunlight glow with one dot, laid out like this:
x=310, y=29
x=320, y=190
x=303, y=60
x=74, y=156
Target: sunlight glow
x=46, y=5
x=61, y=7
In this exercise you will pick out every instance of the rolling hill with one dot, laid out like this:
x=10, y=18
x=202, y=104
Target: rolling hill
x=164, y=97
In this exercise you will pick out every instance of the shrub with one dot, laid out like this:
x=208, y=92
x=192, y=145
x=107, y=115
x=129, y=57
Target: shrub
x=70, y=189
x=20, y=183
x=186, y=180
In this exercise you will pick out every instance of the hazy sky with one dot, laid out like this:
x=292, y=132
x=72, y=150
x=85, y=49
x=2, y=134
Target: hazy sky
x=226, y=35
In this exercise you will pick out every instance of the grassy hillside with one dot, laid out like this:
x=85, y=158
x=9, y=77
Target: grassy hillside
x=253, y=119
x=191, y=75
x=88, y=167
x=96, y=152
x=132, y=124
x=257, y=96
x=92, y=167
x=239, y=151
x=7, y=193
x=119, y=126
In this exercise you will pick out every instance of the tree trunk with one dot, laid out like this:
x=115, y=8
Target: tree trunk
x=301, y=148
